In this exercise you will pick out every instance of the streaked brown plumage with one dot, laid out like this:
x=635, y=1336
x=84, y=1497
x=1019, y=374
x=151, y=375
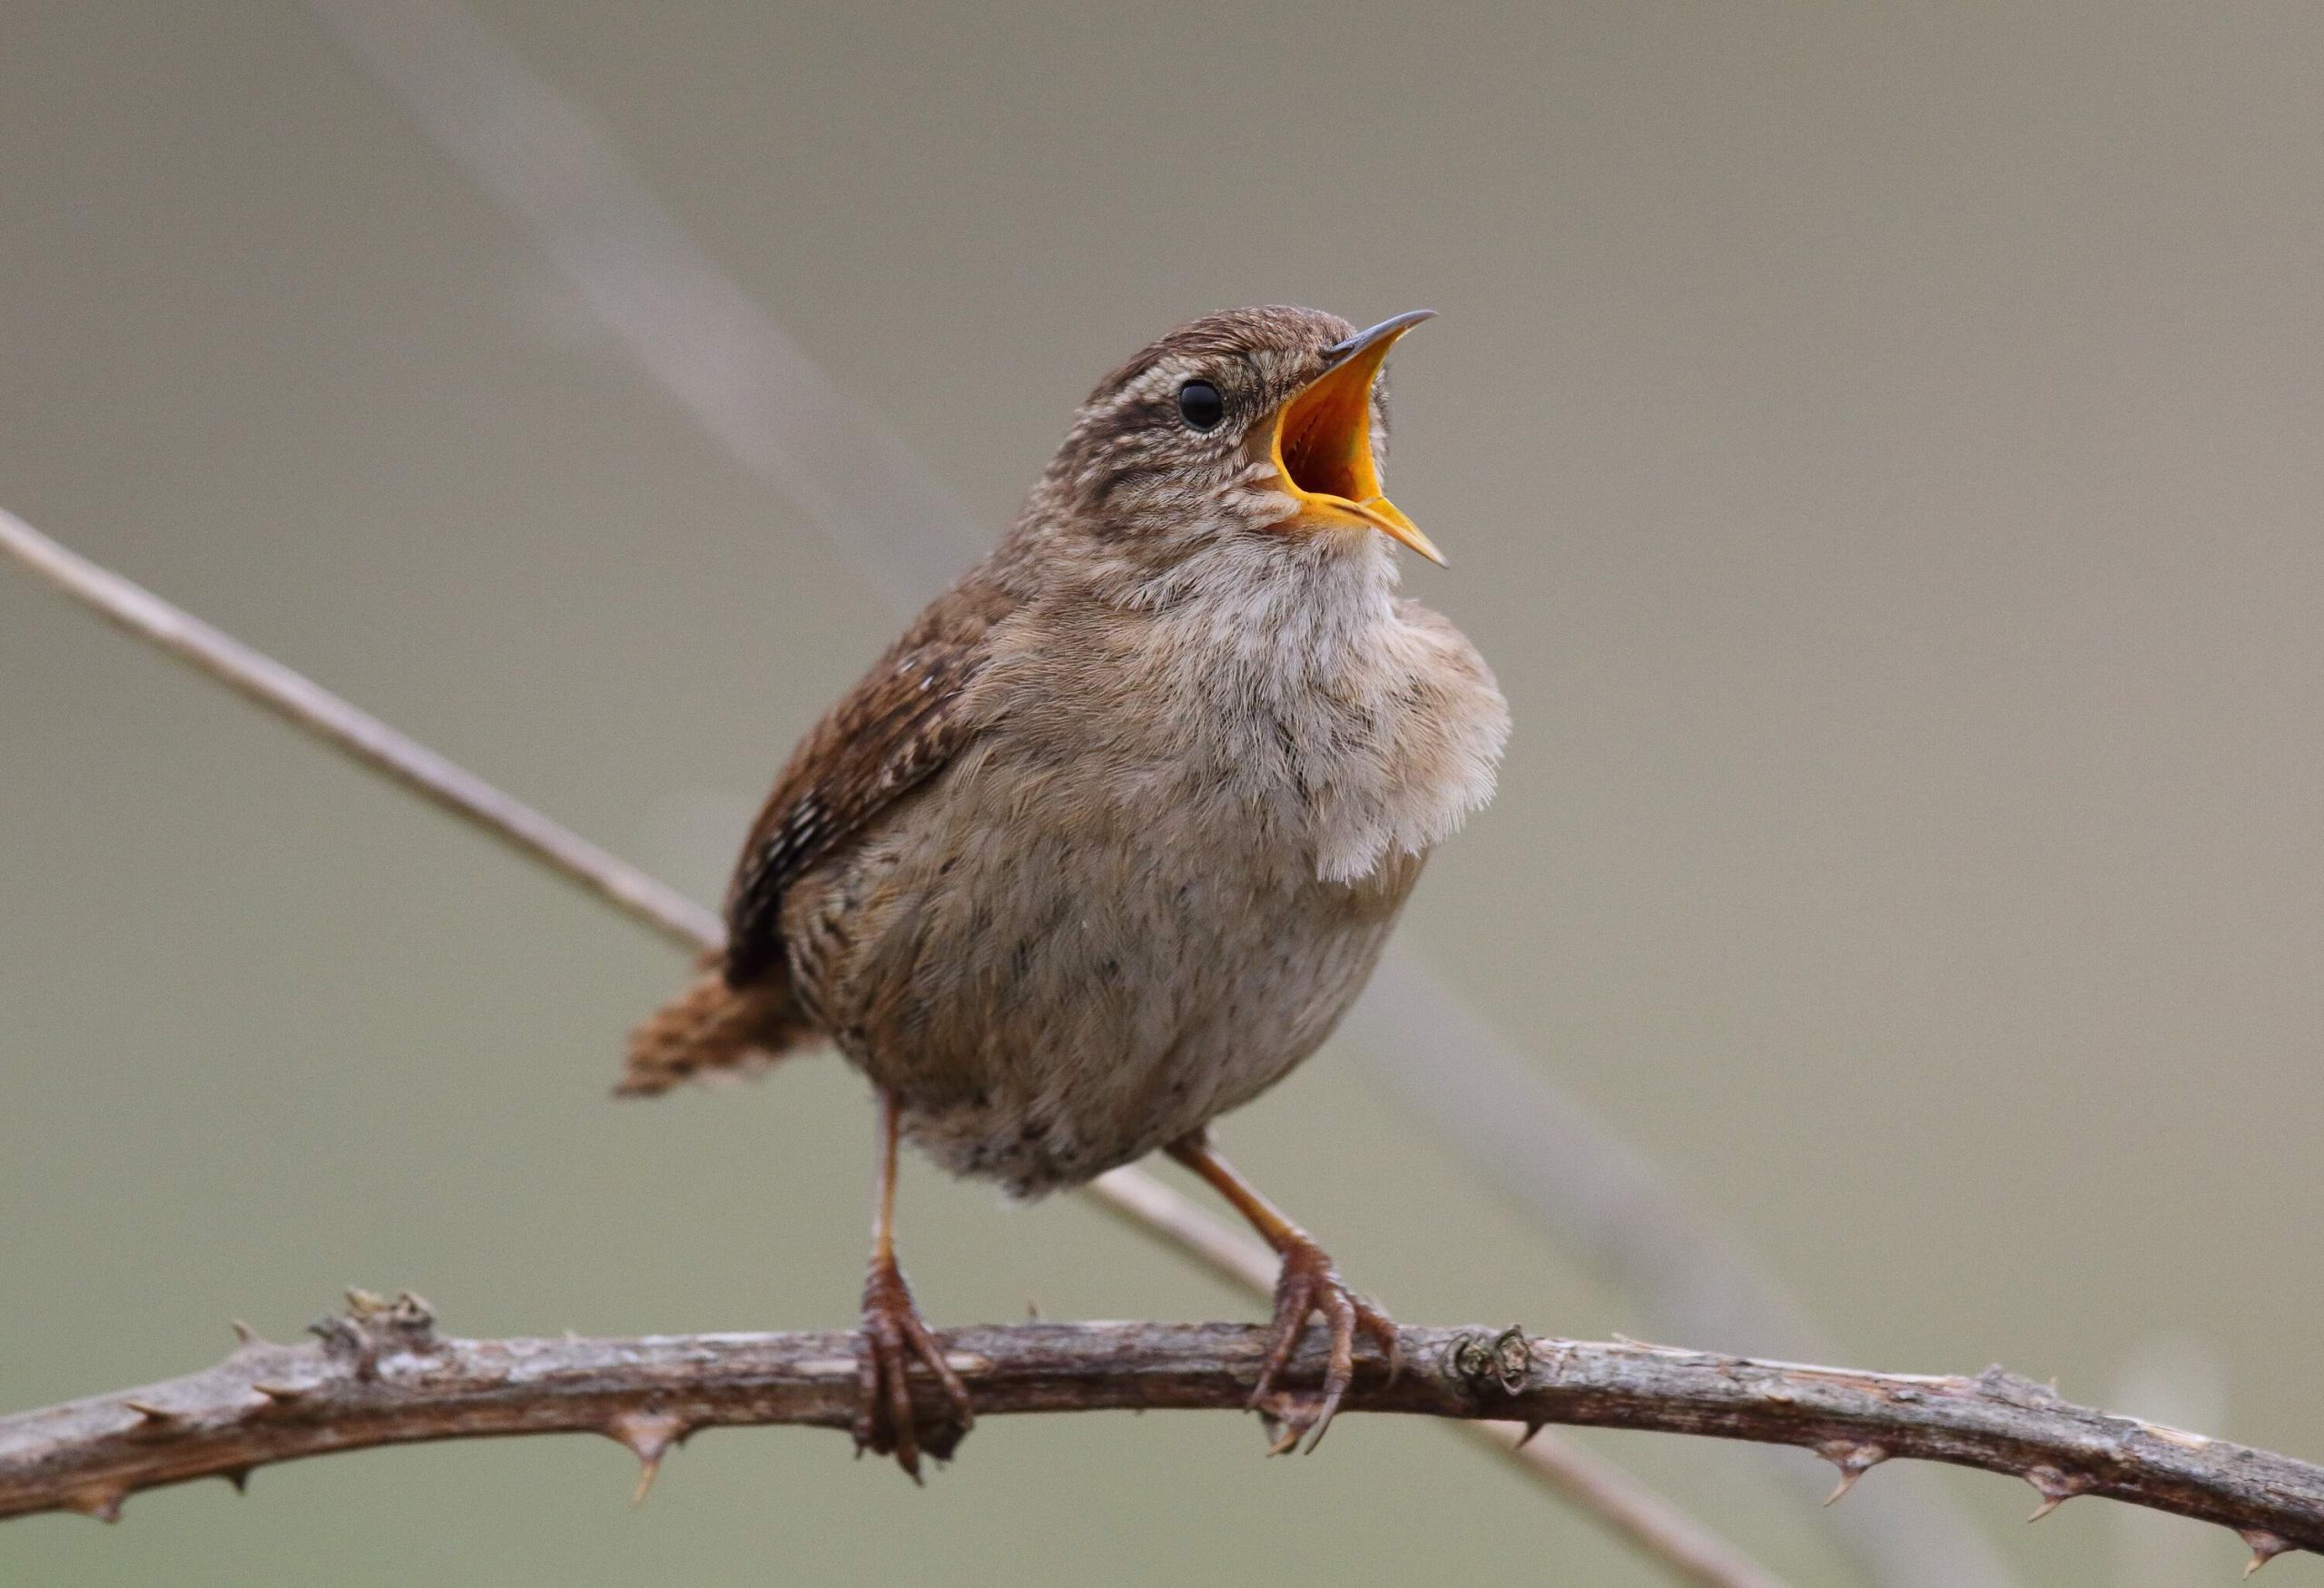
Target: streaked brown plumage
x=1108, y=842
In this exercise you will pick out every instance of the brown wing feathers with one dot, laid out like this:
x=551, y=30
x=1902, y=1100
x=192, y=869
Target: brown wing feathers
x=891, y=732
x=894, y=731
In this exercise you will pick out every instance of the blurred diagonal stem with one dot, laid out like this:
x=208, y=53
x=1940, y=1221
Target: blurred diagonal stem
x=1649, y=1522
x=689, y=325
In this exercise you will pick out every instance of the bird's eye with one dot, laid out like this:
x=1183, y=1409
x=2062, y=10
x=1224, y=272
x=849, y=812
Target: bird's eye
x=1200, y=405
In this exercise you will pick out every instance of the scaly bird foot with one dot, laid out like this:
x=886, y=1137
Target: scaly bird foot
x=892, y=1336
x=1309, y=1285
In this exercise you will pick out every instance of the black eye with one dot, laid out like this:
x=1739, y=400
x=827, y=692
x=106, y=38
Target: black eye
x=1200, y=405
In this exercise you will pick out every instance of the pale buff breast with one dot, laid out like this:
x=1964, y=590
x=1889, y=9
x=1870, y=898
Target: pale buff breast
x=1102, y=928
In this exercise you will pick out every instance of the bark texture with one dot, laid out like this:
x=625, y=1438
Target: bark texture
x=379, y=1374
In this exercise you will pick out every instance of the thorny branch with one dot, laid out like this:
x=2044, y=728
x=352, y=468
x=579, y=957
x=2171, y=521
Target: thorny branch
x=380, y=1375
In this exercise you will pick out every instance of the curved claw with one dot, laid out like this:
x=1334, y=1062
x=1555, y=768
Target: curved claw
x=893, y=1336
x=1309, y=1285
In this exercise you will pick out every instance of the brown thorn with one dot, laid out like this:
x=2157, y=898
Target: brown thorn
x=649, y=1437
x=1533, y=1425
x=1853, y=1460
x=2265, y=1546
x=104, y=1505
x=148, y=1413
x=2056, y=1488
x=244, y=1334
x=240, y=1476
x=281, y=1395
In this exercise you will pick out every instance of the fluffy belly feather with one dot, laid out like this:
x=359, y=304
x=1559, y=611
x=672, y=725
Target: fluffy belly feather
x=1050, y=999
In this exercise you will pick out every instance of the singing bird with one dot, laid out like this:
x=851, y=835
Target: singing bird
x=1109, y=840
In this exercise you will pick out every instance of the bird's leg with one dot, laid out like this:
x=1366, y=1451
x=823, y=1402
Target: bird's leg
x=1308, y=1284
x=893, y=1336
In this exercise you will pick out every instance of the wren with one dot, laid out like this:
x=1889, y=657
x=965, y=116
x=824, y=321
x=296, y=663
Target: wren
x=1108, y=842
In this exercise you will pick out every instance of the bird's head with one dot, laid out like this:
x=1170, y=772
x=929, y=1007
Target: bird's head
x=1248, y=423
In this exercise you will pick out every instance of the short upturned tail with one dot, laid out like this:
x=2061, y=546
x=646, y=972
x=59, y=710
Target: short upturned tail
x=711, y=1029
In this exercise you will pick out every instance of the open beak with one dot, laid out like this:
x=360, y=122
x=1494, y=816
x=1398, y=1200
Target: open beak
x=1321, y=440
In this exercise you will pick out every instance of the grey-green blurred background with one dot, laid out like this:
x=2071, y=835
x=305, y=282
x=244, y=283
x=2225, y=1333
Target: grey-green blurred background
x=1878, y=449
